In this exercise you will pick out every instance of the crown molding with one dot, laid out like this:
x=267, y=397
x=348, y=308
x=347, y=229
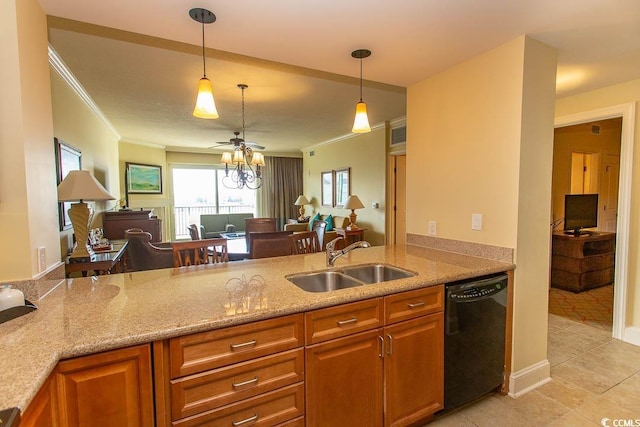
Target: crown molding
x=339, y=138
x=65, y=73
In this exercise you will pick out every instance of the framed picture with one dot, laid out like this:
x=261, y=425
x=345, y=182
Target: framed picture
x=342, y=186
x=327, y=188
x=68, y=159
x=143, y=179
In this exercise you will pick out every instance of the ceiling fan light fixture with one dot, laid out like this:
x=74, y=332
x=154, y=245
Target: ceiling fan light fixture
x=257, y=159
x=361, y=121
x=205, y=105
x=226, y=158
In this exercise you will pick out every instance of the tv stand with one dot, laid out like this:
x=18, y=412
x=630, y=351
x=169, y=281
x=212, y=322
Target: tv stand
x=582, y=262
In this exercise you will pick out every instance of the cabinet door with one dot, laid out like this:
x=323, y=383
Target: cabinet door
x=414, y=369
x=344, y=381
x=107, y=389
x=42, y=412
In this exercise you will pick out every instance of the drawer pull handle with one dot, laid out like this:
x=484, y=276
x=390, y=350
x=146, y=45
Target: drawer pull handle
x=244, y=383
x=354, y=319
x=415, y=304
x=244, y=344
x=248, y=420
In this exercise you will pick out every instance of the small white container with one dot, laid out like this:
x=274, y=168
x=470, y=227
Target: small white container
x=10, y=297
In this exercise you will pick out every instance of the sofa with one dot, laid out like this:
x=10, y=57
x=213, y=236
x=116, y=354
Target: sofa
x=329, y=235
x=216, y=224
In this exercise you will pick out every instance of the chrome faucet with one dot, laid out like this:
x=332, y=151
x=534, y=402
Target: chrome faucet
x=333, y=254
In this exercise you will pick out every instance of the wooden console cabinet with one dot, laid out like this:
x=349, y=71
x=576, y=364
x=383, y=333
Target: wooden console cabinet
x=115, y=224
x=579, y=263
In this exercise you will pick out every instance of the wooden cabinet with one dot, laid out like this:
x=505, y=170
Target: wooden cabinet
x=115, y=223
x=403, y=361
x=248, y=374
x=579, y=263
x=113, y=388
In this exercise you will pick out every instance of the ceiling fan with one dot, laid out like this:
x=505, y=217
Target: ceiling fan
x=237, y=141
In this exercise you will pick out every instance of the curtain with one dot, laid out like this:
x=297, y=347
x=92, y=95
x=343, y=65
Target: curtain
x=281, y=187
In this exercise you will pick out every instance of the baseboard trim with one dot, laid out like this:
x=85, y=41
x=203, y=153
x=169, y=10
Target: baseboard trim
x=529, y=378
x=632, y=335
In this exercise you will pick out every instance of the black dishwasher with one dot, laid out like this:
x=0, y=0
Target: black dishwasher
x=474, y=341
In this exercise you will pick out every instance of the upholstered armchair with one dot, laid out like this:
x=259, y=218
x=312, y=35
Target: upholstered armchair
x=142, y=255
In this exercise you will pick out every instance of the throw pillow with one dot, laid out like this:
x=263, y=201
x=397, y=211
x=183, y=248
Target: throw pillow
x=315, y=218
x=329, y=221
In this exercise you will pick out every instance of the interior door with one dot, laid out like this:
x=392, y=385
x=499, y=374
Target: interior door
x=401, y=200
x=609, y=193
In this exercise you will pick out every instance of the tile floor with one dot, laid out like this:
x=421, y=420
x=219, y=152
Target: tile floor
x=593, y=377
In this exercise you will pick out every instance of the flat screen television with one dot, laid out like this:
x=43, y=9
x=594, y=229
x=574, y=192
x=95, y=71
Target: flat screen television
x=580, y=211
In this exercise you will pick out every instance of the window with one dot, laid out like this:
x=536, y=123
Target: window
x=199, y=190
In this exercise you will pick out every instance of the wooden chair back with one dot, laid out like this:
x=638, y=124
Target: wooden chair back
x=305, y=243
x=269, y=244
x=196, y=252
x=194, y=232
x=258, y=225
x=319, y=227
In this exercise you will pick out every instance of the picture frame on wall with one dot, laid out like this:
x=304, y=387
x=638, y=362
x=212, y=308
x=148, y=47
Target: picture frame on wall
x=143, y=179
x=326, y=186
x=342, y=186
x=68, y=158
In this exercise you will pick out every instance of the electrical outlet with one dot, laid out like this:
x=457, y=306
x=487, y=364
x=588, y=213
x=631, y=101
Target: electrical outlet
x=42, y=258
x=432, y=228
x=476, y=222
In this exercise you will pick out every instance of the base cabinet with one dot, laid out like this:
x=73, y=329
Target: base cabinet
x=43, y=410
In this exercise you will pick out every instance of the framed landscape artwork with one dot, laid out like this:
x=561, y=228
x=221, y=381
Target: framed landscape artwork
x=327, y=188
x=143, y=179
x=68, y=159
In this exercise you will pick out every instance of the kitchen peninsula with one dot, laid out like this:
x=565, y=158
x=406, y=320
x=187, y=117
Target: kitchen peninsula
x=91, y=315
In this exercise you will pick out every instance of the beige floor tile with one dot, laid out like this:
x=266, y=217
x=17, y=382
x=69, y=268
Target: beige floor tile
x=560, y=322
x=493, y=412
x=620, y=352
x=537, y=406
x=454, y=419
x=597, y=334
x=566, y=393
x=573, y=419
x=558, y=350
x=626, y=394
x=582, y=377
x=579, y=341
x=601, y=407
x=599, y=364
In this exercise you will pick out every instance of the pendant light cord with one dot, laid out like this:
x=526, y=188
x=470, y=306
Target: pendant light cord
x=360, y=79
x=204, y=65
x=243, y=112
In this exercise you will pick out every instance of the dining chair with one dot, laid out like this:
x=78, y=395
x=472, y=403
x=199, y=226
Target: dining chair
x=305, y=242
x=196, y=252
x=319, y=227
x=141, y=254
x=194, y=232
x=267, y=244
x=258, y=224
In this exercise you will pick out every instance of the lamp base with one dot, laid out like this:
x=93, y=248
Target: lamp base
x=352, y=221
x=80, y=215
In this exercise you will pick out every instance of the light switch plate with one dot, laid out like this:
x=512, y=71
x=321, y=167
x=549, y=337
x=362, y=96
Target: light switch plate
x=432, y=228
x=476, y=222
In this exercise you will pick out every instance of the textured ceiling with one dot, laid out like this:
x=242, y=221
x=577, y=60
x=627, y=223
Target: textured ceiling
x=140, y=60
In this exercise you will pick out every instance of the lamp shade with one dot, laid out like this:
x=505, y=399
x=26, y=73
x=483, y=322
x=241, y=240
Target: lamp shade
x=257, y=159
x=226, y=158
x=353, y=202
x=81, y=185
x=361, y=122
x=205, y=105
x=238, y=157
x=301, y=201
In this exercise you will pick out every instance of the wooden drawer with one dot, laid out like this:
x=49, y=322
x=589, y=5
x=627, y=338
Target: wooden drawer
x=268, y=409
x=209, y=350
x=333, y=322
x=201, y=392
x=412, y=304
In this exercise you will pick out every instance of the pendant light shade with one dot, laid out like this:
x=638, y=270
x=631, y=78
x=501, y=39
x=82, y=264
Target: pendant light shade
x=205, y=105
x=361, y=121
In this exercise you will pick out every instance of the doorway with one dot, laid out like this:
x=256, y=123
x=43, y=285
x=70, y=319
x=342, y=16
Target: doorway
x=623, y=208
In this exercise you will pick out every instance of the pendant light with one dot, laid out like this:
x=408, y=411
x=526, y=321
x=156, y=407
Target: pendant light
x=205, y=105
x=361, y=122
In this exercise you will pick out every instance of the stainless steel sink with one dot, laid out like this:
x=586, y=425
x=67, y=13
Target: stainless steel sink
x=323, y=281
x=376, y=273
x=348, y=277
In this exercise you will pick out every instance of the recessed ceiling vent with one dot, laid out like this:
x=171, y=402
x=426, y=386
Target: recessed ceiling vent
x=399, y=135
x=595, y=129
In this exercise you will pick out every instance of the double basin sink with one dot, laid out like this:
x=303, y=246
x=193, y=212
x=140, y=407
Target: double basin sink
x=348, y=277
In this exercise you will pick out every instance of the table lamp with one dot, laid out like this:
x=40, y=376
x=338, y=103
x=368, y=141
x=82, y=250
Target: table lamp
x=353, y=203
x=80, y=186
x=301, y=201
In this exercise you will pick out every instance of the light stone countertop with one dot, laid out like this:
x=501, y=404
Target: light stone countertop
x=87, y=315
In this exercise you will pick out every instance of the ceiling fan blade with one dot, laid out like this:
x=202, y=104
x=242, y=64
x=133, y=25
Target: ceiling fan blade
x=254, y=145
